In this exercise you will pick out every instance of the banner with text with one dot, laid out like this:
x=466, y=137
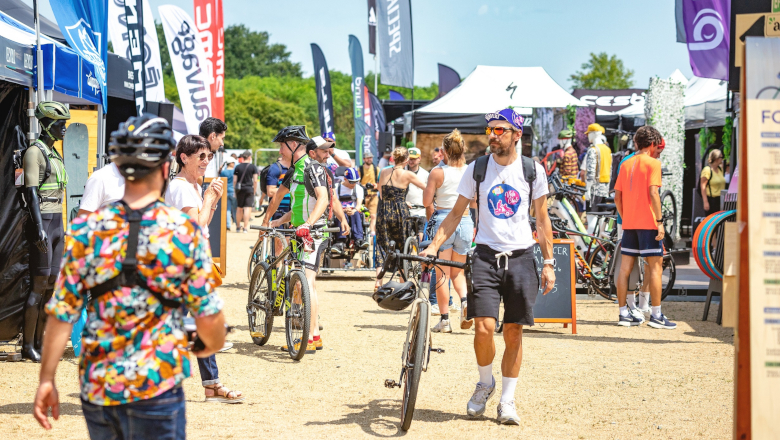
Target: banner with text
x=188, y=61
x=378, y=121
x=208, y=19
x=117, y=30
x=359, y=102
x=396, y=54
x=324, y=96
x=83, y=23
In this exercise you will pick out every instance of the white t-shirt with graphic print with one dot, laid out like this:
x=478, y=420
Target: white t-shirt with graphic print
x=503, y=204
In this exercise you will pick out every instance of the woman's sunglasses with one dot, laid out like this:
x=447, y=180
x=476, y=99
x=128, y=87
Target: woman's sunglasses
x=203, y=156
x=498, y=131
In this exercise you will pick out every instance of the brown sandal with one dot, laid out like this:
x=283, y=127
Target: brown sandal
x=221, y=394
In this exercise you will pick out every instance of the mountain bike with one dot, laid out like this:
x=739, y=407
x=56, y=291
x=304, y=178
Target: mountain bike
x=417, y=346
x=278, y=287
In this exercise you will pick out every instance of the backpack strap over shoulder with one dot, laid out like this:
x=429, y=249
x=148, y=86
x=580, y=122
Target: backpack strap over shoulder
x=480, y=170
x=529, y=172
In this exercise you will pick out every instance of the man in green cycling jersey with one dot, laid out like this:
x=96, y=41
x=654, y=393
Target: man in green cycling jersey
x=310, y=186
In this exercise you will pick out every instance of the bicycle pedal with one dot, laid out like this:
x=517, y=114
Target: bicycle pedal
x=389, y=383
x=438, y=350
x=256, y=335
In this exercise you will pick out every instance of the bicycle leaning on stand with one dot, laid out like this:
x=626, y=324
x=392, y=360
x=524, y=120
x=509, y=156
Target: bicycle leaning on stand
x=417, y=346
x=278, y=287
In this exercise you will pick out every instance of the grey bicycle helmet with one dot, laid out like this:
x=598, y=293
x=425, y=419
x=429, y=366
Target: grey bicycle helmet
x=294, y=133
x=395, y=296
x=141, y=145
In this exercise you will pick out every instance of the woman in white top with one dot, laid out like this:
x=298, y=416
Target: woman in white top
x=442, y=185
x=193, y=155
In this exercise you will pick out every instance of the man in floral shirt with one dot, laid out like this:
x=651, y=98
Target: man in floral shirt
x=134, y=344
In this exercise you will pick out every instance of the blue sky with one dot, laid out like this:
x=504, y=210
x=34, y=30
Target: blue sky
x=555, y=34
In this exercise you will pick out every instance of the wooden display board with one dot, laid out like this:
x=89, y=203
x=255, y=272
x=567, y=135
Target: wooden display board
x=757, y=339
x=218, y=228
x=560, y=304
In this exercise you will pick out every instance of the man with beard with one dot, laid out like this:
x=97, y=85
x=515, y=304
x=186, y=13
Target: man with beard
x=503, y=264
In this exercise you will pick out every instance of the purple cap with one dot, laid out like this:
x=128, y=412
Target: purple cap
x=329, y=135
x=507, y=115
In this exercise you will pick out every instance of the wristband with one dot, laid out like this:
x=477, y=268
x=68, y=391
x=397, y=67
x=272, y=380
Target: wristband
x=551, y=261
x=659, y=221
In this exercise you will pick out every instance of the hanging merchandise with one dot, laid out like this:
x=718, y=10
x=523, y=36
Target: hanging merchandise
x=544, y=136
x=188, y=59
x=396, y=51
x=84, y=23
x=117, y=29
x=585, y=116
x=208, y=19
x=324, y=95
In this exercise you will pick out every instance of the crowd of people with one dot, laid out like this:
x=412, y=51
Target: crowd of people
x=137, y=257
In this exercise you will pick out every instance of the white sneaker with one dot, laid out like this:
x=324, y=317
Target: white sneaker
x=455, y=306
x=442, y=327
x=478, y=401
x=636, y=313
x=465, y=324
x=226, y=347
x=507, y=415
x=645, y=312
x=246, y=231
x=435, y=310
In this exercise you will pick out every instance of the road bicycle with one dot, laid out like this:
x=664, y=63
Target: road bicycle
x=278, y=287
x=417, y=346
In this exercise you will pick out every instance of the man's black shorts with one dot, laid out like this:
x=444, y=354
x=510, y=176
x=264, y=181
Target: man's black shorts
x=47, y=263
x=515, y=280
x=245, y=199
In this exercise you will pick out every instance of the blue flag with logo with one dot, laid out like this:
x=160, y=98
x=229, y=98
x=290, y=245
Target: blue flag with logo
x=84, y=23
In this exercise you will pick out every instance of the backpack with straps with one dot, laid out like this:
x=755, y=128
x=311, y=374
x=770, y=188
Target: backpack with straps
x=264, y=177
x=480, y=171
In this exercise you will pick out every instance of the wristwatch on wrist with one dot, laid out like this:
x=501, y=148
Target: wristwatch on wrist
x=551, y=262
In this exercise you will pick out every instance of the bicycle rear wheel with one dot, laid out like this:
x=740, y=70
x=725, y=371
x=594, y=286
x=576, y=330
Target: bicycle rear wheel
x=258, y=307
x=600, y=265
x=415, y=355
x=412, y=269
x=297, y=317
x=669, y=217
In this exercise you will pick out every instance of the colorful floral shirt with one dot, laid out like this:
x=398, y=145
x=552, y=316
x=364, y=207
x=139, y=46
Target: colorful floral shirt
x=134, y=348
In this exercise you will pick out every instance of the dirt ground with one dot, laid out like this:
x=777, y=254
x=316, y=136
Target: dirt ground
x=604, y=382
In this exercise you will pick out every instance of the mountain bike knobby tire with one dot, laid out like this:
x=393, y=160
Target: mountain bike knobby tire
x=260, y=317
x=415, y=357
x=297, y=316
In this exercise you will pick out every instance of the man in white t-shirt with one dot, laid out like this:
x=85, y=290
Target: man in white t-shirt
x=503, y=264
x=414, y=195
x=104, y=186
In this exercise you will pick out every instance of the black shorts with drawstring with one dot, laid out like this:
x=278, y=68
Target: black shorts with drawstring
x=513, y=279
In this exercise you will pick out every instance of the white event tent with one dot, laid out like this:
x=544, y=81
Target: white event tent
x=485, y=90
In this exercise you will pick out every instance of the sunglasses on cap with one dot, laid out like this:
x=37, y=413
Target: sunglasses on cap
x=498, y=131
x=203, y=156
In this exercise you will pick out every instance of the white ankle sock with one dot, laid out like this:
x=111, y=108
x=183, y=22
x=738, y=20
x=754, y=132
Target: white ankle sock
x=656, y=311
x=624, y=311
x=644, y=300
x=508, y=385
x=486, y=374
x=631, y=300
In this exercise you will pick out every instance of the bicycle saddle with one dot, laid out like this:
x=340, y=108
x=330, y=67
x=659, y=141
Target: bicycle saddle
x=608, y=199
x=395, y=296
x=606, y=206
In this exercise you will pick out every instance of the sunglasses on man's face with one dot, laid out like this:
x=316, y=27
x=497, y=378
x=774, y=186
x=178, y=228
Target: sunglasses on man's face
x=203, y=156
x=498, y=131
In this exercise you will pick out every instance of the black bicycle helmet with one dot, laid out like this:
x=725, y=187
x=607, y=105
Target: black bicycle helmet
x=294, y=133
x=141, y=145
x=395, y=296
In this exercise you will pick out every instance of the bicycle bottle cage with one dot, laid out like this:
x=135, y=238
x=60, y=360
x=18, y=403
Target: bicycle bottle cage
x=128, y=276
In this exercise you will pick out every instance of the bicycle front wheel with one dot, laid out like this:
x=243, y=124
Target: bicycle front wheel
x=259, y=308
x=415, y=356
x=297, y=317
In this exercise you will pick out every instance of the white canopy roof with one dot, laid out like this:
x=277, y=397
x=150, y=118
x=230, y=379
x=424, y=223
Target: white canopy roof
x=491, y=88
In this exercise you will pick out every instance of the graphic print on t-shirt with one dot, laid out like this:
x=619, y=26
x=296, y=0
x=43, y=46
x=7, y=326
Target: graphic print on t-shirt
x=503, y=201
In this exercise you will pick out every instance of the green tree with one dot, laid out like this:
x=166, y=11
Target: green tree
x=603, y=72
x=420, y=93
x=250, y=53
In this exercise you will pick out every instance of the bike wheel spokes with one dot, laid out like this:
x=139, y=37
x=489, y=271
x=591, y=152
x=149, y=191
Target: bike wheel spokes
x=258, y=306
x=297, y=315
x=668, y=277
x=600, y=280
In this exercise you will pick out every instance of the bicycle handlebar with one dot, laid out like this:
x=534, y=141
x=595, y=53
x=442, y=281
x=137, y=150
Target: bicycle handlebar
x=285, y=231
x=429, y=260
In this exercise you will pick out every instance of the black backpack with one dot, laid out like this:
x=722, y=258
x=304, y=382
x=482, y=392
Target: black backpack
x=264, y=178
x=480, y=171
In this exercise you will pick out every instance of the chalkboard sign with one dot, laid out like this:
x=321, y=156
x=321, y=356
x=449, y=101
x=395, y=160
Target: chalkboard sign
x=217, y=227
x=559, y=305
